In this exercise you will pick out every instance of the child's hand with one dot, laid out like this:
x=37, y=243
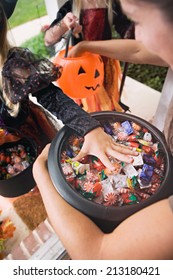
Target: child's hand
x=100, y=144
x=77, y=50
x=72, y=22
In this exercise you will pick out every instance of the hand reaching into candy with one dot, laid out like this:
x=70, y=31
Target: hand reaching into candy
x=100, y=144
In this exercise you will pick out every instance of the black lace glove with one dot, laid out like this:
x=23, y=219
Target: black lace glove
x=64, y=108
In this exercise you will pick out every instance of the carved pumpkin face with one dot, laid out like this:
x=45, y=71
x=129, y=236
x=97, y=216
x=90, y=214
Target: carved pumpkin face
x=81, y=76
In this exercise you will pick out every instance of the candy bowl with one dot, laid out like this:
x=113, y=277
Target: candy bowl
x=110, y=197
x=17, y=154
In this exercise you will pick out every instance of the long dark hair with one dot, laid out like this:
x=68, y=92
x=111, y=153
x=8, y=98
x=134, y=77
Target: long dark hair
x=166, y=6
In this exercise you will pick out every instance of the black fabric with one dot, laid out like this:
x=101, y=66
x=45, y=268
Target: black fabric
x=8, y=6
x=19, y=81
x=6, y=119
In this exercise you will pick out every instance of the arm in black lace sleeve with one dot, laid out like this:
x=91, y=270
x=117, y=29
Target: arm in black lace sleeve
x=65, y=109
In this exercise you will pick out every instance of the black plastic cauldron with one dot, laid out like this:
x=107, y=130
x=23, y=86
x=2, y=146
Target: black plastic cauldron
x=107, y=218
x=24, y=181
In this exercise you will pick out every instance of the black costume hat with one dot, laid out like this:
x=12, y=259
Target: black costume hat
x=8, y=6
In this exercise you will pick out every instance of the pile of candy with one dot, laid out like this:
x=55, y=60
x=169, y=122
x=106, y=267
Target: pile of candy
x=128, y=183
x=14, y=160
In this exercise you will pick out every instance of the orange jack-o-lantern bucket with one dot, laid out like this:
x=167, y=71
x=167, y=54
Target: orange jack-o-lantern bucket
x=81, y=76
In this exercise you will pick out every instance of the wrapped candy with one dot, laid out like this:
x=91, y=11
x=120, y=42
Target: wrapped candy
x=147, y=149
x=147, y=137
x=149, y=160
x=130, y=171
x=137, y=160
x=97, y=164
x=92, y=176
x=67, y=169
x=132, y=138
x=146, y=174
x=136, y=127
x=144, y=143
x=129, y=198
x=119, y=181
x=110, y=199
x=127, y=127
x=122, y=136
x=79, y=182
x=108, y=128
x=70, y=152
x=117, y=169
x=116, y=126
x=93, y=188
x=78, y=167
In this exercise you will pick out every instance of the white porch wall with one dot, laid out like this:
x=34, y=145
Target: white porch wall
x=52, y=6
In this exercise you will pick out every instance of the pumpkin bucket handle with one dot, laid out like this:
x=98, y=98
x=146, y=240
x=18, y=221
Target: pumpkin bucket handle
x=67, y=42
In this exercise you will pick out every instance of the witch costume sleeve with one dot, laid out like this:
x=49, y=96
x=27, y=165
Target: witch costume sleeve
x=25, y=72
